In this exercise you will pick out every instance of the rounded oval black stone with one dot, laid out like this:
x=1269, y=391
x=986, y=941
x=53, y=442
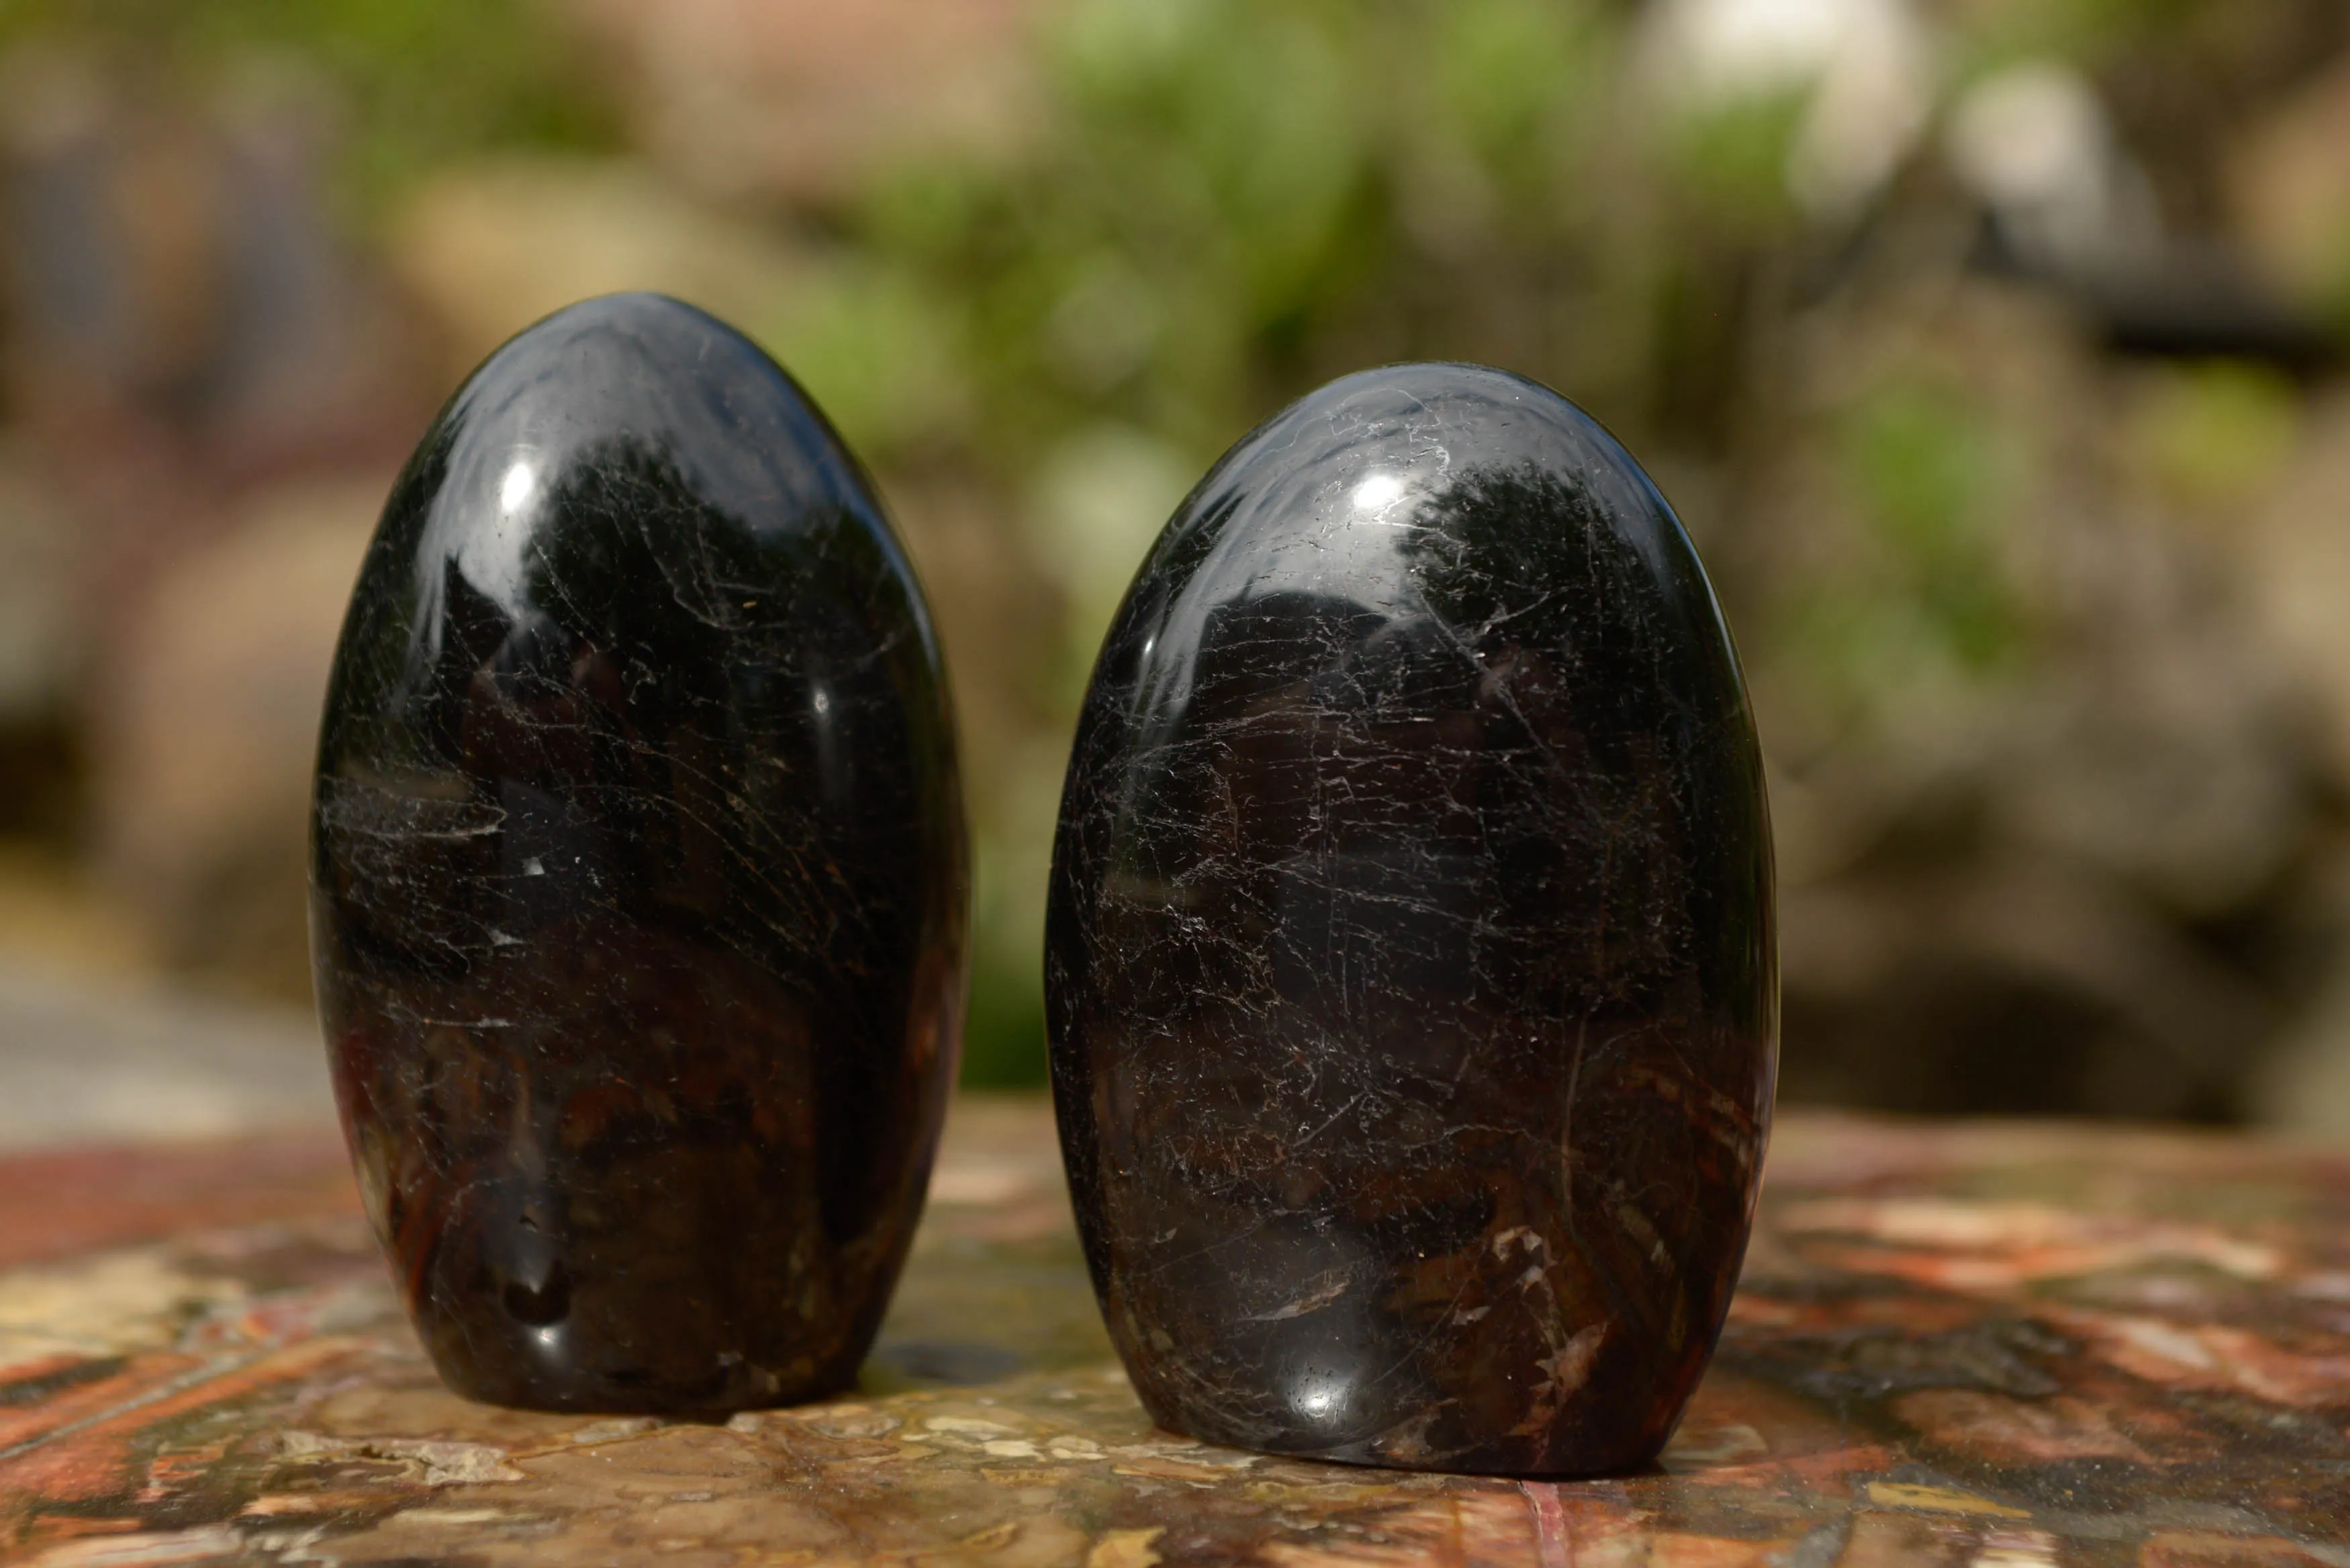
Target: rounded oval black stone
x=638, y=877
x=1411, y=957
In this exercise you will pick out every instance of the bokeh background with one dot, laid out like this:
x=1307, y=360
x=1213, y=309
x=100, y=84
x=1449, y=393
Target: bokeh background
x=1993, y=350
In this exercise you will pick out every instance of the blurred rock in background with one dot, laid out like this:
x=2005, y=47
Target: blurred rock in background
x=488, y=247
x=138, y=1063
x=804, y=101
x=203, y=751
x=1991, y=348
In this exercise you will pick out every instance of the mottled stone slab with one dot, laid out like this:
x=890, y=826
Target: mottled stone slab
x=2003, y=1346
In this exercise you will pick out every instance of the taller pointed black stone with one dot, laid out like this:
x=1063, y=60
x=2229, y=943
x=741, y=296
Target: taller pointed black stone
x=1410, y=960
x=638, y=877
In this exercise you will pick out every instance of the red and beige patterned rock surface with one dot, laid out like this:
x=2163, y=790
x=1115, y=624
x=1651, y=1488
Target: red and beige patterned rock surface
x=1986, y=1345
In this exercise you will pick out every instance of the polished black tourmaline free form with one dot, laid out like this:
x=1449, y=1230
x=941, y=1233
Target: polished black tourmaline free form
x=638, y=877
x=1411, y=969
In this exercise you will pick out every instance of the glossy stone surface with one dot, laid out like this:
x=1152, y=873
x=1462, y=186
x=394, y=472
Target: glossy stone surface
x=638, y=877
x=1410, y=955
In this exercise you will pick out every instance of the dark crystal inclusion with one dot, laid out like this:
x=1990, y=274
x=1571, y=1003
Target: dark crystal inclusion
x=1410, y=958
x=638, y=877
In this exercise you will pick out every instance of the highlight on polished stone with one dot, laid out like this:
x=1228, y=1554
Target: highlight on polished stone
x=638, y=879
x=1410, y=960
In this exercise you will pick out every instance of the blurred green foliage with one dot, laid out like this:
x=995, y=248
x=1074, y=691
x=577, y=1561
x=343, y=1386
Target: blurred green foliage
x=2213, y=435
x=1923, y=598
x=2088, y=31
x=1226, y=202
x=418, y=82
x=1219, y=204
